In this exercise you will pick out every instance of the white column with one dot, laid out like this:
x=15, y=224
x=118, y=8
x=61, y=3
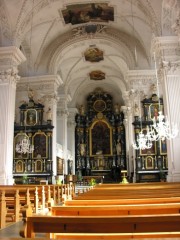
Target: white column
x=71, y=133
x=168, y=61
x=51, y=102
x=62, y=127
x=10, y=58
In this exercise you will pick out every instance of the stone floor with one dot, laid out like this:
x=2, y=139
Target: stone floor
x=12, y=232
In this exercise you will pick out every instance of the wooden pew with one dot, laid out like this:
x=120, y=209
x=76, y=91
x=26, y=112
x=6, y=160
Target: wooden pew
x=124, y=201
x=2, y=209
x=103, y=224
x=113, y=210
x=116, y=236
x=117, y=192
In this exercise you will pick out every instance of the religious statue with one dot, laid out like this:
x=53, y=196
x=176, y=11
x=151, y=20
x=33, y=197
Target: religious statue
x=30, y=94
x=116, y=108
x=81, y=110
x=49, y=114
x=118, y=147
x=154, y=89
x=82, y=149
x=136, y=110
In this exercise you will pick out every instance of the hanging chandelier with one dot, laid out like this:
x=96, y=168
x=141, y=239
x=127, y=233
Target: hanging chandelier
x=143, y=141
x=24, y=146
x=161, y=129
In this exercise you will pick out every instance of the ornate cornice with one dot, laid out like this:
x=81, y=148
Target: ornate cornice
x=10, y=56
x=140, y=77
x=46, y=83
x=165, y=48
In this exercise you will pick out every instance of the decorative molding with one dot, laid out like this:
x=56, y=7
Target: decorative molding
x=22, y=23
x=9, y=76
x=48, y=83
x=172, y=68
x=169, y=10
x=5, y=26
x=176, y=25
x=140, y=77
x=165, y=48
x=69, y=38
x=10, y=56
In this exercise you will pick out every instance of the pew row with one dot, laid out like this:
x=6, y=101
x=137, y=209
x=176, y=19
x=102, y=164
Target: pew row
x=116, y=236
x=156, y=200
x=116, y=210
x=103, y=224
x=18, y=201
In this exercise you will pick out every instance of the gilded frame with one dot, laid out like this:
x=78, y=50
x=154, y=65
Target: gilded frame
x=17, y=139
x=39, y=165
x=19, y=166
x=31, y=117
x=101, y=139
x=163, y=147
x=154, y=108
x=150, y=151
x=40, y=142
x=149, y=162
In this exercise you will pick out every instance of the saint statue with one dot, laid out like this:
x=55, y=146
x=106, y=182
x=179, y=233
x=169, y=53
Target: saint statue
x=118, y=147
x=154, y=89
x=136, y=110
x=49, y=114
x=81, y=110
x=116, y=108
x=30, y=94
x=83, y=149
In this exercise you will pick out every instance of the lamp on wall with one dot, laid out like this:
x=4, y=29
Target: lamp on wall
x=24, y=145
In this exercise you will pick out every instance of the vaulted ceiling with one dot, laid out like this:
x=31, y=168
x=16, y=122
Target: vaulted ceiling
x=52, y=45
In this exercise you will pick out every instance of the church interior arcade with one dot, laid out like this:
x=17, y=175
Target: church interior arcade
x=79, y=80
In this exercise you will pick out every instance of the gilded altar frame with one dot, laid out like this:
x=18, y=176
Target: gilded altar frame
x=100, y=138
x=154, y=109
x=149, y=162
x=19, y=166
x=149, y=151
x=17, y=139
x=31, y=117
x=40, y=142
x=39, y=165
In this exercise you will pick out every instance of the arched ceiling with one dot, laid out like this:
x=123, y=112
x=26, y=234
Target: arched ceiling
x=53, y=47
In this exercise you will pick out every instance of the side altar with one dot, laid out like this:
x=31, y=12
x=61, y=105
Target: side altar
x=35, y=166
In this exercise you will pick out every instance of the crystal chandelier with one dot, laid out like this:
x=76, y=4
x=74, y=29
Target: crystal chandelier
x=161, y=129
x=24, y=146
x=143, y=141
